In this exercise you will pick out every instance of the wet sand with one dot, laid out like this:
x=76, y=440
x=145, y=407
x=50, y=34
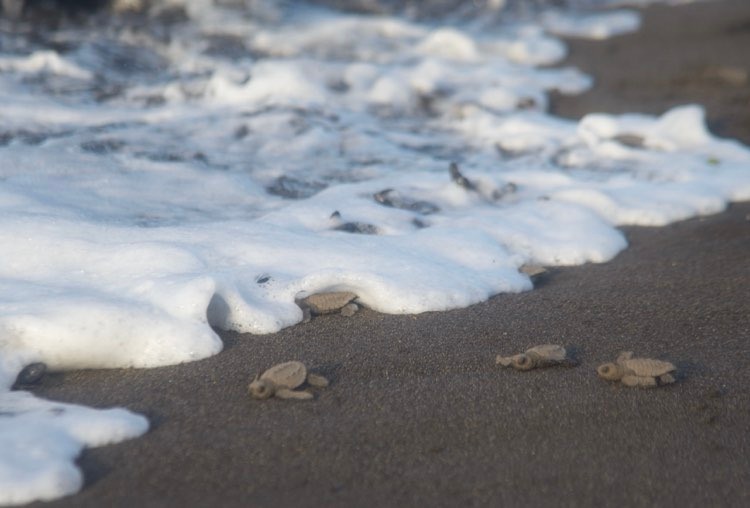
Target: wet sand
x=418, y=414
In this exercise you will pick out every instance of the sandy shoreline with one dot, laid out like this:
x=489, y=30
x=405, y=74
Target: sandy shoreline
x=419, y=415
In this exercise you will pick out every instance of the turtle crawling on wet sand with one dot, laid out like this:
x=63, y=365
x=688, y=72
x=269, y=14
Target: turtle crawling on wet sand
x=642, y=372
x=544, y=355
x=281, y=381
x=328, y=303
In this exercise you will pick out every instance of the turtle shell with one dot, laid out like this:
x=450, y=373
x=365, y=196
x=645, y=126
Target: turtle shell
x=532, y=270
x=323, y=303
x=648, y=366
x=286, y=375
x=548, y=352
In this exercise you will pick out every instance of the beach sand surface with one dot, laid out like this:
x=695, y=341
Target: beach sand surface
x=418, y=414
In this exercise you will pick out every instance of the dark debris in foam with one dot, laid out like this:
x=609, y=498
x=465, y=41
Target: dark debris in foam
x=102, y=146
x=357, y=227
x=352, y=226
x=31, y=374
x=394, y=199
x=293, y=188
x=27, y=137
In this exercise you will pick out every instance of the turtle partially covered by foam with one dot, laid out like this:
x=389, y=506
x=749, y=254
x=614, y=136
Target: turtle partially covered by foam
x=282, y=379
x=642, y=372
x=544, y=355
x=328, y=303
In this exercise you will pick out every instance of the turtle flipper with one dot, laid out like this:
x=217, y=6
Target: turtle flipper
x=349, y=309
x=641, y=381
x=666, y=379
x=316, y=380
x=503, y=360
x=286, y=393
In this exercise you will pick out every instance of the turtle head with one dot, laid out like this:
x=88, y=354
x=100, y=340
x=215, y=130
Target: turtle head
x=523, y=362
x=610, y=371
x=260, y=388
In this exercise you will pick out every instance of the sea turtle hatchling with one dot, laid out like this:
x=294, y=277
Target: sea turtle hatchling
x=642, y=372
x=544, y=355
x=281, y=381
x=328, y=303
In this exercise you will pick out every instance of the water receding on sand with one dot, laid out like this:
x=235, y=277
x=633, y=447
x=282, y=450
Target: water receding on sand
x=209, y=168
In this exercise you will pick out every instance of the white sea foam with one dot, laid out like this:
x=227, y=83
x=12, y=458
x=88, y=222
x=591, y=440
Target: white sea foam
x=151, y=187
x=41, y=439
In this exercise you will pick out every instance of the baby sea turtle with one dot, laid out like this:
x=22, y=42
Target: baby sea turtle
x=535, y=357
x=643, y=372
x=281, y=380
x=328, y=303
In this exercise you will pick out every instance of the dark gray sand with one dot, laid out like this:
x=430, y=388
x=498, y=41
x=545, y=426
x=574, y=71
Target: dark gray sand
x=418, y=414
